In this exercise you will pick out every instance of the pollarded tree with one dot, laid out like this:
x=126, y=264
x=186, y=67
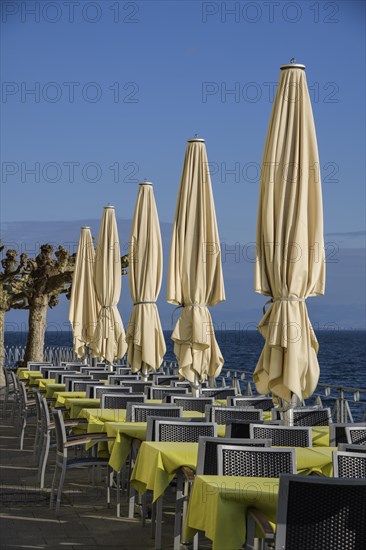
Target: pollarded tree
x=10, y=276
x=44, y=279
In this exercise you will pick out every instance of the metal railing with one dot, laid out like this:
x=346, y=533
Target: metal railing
x=348, y=404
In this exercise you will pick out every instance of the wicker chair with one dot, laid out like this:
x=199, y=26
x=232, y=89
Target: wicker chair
x=282, y=436
x=192, y=403
x=137, y=385
x=356, y=435
x=114, y=401
x=206, y=465
x=33, y=365
x=218, y=393
x=349, y=448
x=347, y=464
x=315, y=513
x=337, y=431
x=254, y=462
x=161, y=392
x=64, y=462
x=97, y=391
x=170, y=430
x=115, y=379
x=82, y=385
x=48, y=441
x=77, y=378
x=125, y=371
x=164, y=380
x=9, y=388
x=306, y=416
x=207, y=451
x=222, y=415
x=264, y=403
x=27, y=410
x=140, y=413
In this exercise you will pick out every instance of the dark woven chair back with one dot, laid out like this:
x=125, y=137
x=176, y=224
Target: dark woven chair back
x=101, y=390
x=254, y=462
x=222, y=415
x=114, y=401
x=140, y=413
x=321, y=513
x=192, y=403
x=283, y=436
x=207, y=451
x=338, y=434
x=312, y=417
x=349, y=464
x=188, y=432
x=356, y=436
x=264, y=403
x=218, y=393
x=161, y=392
x=136, y=385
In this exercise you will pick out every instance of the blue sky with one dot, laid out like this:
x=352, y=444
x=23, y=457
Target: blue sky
x=114, y=101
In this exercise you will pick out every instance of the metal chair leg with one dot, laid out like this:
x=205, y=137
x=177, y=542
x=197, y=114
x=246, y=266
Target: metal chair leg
x=61, y=484
x=53, y=486
x=24, y=423
x=43, y=464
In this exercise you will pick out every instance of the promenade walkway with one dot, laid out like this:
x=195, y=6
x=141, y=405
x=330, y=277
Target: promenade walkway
x=84, y=523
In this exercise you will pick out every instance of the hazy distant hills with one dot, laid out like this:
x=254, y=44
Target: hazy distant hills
x=343, y=306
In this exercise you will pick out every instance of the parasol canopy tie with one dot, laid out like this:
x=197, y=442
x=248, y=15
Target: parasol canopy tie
x=282, y=299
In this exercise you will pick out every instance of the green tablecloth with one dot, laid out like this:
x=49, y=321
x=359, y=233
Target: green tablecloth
x=61, y=396
x=218, y=506
x=22, y=373
x=43, y=383
x=124, y=433
x=76, y=405
x=31, y=375
x=54, y=388
x=157, y=462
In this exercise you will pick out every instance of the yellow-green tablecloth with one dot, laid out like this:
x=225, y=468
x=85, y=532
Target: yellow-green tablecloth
x=124, y=433
x=22, y=373
x=34, y=376
x=43, y=383
x=61, y=396
x=77, y=404
x=157, y=462
x=218, y=506
x=31, y=375
x=54, y=388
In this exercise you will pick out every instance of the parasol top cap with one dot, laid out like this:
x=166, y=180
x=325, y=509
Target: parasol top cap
x=292, y=65
x=85, y=227
x=145, y=182
x=196, y=138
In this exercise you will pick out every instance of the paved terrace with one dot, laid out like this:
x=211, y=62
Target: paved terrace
x=84, y=523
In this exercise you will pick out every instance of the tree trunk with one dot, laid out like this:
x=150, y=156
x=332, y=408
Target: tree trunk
x=2, y=348
x=36, y=329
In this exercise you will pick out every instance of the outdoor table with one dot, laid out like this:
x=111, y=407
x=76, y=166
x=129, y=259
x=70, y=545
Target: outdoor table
x=76, y=404
x=54, y=388
x=157, y=462
x=43, y=383
x=31, y=375
x=22, y=373
x=61, y=396
x=218, y=506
